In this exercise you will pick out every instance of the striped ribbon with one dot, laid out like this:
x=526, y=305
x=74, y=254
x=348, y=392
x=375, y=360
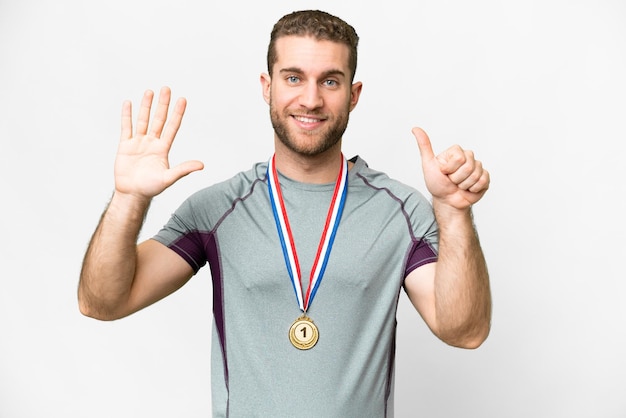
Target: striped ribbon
x=286, y=237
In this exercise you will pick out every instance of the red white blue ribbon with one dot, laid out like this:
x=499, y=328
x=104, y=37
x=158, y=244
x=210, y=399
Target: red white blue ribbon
x=286, y=237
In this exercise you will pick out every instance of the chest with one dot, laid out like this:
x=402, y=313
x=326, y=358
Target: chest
x=367, y=256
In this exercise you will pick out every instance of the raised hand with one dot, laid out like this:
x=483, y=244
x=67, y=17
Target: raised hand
x=142, y=165
x=454, y=177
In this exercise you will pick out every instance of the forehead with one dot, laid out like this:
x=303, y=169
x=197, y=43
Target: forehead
x=311, y=55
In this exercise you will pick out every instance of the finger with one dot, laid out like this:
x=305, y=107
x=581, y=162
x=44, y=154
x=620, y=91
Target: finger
x=127, y=120
x=144, y=112
x=453, y=160
x=175, y=119
x=423, y=143
x=461, y=166
x=160, y=116
x=471, y=178
x=183, y=169
x=482, y=185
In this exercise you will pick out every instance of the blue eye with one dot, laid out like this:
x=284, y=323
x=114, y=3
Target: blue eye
x=330, y=83
x=293, y=79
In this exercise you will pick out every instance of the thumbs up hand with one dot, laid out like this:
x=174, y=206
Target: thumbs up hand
x=453, y=177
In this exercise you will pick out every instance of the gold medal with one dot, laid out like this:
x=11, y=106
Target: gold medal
x=303, y=333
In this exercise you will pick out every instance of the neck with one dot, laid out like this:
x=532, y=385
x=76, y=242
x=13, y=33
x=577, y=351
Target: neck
x=317, y=169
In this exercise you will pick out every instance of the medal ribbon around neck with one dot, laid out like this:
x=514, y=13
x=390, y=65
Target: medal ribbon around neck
x=286, y=237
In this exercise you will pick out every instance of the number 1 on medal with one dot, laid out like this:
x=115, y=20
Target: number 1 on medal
x=303, y=333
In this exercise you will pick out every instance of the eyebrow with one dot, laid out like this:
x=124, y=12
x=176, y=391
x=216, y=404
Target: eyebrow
x=296, y=70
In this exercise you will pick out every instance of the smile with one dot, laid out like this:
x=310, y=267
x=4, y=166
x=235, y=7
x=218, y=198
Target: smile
x=305, y=119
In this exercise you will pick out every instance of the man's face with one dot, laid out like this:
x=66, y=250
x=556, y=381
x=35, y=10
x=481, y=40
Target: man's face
x=310, y=94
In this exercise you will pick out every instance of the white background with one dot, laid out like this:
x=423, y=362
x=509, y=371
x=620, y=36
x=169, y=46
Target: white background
x=536, y=88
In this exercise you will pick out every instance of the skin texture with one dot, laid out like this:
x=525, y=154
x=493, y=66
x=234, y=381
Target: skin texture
x=453, y=295
x=309, y=112
x=310, y=96
x=118, y=277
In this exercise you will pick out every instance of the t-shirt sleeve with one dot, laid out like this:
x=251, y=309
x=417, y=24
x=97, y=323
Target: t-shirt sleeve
x=184, y=237
x=425, y=244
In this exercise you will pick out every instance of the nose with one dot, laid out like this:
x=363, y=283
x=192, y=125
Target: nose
x=311, y=96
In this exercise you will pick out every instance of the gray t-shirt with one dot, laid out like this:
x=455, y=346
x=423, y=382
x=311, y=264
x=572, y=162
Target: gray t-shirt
x=387, y=230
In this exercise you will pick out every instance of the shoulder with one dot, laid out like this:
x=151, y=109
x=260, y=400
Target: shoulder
x=363, y=175
x=213, y=201
x=236, y=187
x=391, y=195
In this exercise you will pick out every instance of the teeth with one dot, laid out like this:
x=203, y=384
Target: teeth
x=306, y=120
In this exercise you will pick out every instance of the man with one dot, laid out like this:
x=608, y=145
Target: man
x=341, y=237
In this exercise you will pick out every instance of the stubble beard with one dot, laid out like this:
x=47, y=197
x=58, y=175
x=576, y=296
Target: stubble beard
x=328, y=138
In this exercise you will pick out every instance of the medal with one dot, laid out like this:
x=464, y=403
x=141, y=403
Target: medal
x=303, y=333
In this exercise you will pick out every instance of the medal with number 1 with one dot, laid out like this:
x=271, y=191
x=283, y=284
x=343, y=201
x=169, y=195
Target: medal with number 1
x=303, y=333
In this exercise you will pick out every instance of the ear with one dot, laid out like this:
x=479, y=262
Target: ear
x=266, y=83
x=355, y=93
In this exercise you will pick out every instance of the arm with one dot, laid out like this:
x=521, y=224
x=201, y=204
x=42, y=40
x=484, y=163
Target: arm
x=453, y=294
x=118, y=277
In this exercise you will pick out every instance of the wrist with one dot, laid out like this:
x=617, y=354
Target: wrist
x=448, y=215
x=129, y=206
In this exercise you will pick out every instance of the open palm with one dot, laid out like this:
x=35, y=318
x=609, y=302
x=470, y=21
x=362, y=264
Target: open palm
x=141, y=166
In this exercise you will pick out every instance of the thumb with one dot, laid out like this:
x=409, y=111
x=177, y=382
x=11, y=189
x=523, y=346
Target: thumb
x=423, y=143
x=183, y=169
